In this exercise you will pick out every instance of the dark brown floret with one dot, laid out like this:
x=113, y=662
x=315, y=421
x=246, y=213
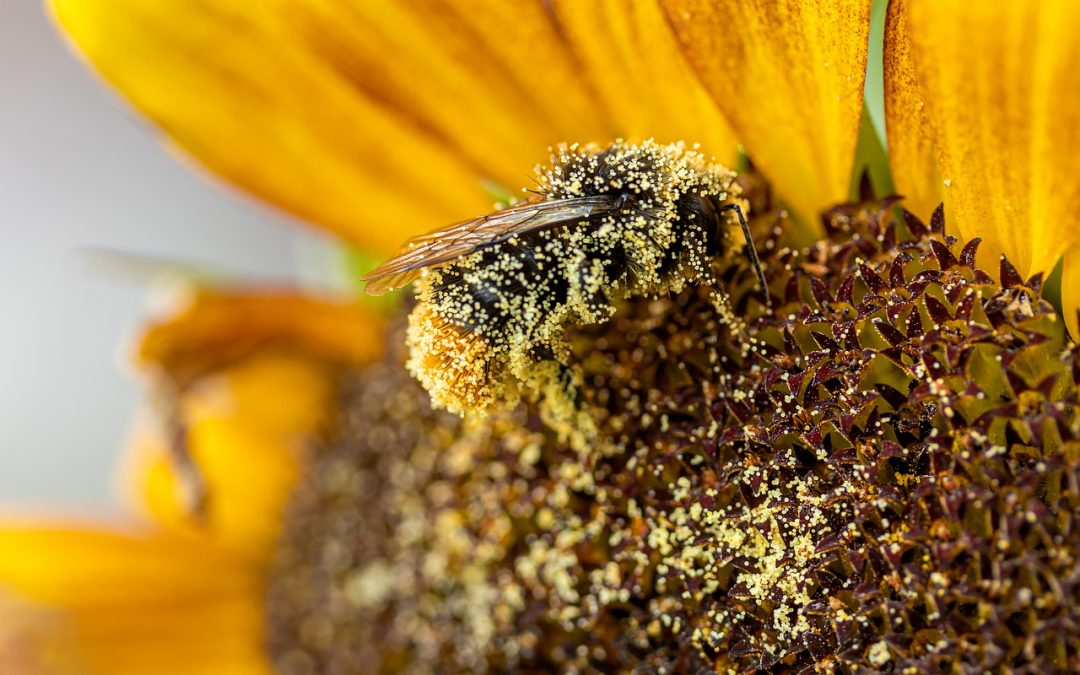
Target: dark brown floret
x=879, y=473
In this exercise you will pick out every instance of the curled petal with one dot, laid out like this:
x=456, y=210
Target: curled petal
x=244, y=382
x=245, y=430
x=204, y=331
x=1002, y=94
x=789, y=77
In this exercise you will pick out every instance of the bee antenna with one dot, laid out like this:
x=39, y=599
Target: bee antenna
x=732, y=206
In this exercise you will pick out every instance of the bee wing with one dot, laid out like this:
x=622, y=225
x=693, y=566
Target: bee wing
x=450, y=243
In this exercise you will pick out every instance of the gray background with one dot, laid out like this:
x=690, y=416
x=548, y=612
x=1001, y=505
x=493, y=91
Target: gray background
x=80, y=172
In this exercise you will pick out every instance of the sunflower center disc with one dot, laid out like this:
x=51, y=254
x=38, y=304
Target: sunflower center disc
x=888, y=476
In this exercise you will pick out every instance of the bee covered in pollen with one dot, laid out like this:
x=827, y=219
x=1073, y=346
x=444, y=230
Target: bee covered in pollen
x=496, y=293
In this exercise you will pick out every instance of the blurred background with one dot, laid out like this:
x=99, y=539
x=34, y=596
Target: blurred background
x=92, y=210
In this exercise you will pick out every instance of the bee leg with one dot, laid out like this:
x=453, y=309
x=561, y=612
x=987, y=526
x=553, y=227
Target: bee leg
x=750, y=248
x=568, y=382
x=565, y=377
x=721, y=301
x=594, y=299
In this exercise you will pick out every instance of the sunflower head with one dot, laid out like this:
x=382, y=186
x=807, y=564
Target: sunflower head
x=884, y=478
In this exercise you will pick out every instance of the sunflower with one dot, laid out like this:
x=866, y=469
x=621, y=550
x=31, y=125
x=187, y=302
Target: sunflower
x=891, y=478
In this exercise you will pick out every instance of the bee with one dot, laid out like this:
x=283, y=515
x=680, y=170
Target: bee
x=496, y=293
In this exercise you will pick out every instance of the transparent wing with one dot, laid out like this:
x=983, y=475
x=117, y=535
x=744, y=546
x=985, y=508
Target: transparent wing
x=450, y=243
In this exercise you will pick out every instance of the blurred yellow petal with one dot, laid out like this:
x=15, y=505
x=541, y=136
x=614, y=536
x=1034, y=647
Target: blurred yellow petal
x=640, y=73
x=248, y=382
x=1002, y=91
x=788, y=75
x=127, y=605
x=73, y=567
x=912, y=154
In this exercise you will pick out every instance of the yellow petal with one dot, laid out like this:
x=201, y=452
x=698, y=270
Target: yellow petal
x=1002, y=92
x=641, y=75
x=912, y=154
x=1070, y=291
x=494, y=83
x=376, y=119
x=243, y=88
x=248, y=381
x=788, y=75
x=127, y=605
